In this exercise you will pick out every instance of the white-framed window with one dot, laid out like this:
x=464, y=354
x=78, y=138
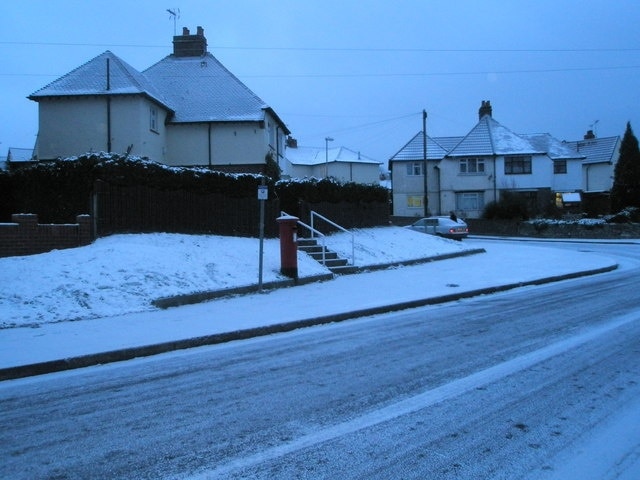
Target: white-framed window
x=153, y=118
x=469, y=201
x=517, y=165
x=471, y=166
x=415, y=169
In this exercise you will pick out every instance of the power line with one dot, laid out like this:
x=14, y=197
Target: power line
x=430, y=74
x=342, y=49
x=388, y=75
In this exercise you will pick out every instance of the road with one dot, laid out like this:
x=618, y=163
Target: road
x=514, y=385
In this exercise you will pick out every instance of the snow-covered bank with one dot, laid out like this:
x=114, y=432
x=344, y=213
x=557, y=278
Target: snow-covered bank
x=124, y=273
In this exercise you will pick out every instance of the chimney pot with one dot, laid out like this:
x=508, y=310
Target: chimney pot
x=187, y=45
x=292, y=142
x=589, y=135
x=485, y=109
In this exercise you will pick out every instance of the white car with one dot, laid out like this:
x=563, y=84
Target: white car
x=442, y=226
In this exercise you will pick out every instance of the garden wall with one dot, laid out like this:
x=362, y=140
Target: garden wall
x=25, y=236
x=544, y=229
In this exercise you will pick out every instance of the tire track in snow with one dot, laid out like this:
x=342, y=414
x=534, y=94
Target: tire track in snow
x=420, y=401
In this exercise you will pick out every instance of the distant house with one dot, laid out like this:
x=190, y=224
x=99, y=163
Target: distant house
x=464, y=174
x=187, y=109
x=19, y=157
x=339, y=163
x=601, y=156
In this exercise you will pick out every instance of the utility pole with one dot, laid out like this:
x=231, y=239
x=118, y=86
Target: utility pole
x=424, y=158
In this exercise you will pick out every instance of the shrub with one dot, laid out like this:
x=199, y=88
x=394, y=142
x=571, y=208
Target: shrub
x=509, y=207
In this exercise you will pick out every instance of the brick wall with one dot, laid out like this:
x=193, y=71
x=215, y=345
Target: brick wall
x=25, y=236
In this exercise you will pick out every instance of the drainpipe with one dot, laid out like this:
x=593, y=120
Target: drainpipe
x=495, y=180
x=209, y=153
x=436, y=168
x=278, y=145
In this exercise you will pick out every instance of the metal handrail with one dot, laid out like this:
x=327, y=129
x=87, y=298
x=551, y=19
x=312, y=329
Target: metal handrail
x=312, y=230
x=353, y=241
x=315, y=231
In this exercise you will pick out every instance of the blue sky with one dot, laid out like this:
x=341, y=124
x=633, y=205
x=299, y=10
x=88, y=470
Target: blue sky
x=358, y=71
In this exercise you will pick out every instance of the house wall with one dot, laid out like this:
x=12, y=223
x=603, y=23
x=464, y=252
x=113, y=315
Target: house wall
x=216, y=144
x=71, y=126
x=597, y=177
x=367, y=173
x=540, y=176
x=570, y=181
x=408, y=190
x=452, y=182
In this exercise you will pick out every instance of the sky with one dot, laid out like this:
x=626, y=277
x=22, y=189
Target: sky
x=360, y=72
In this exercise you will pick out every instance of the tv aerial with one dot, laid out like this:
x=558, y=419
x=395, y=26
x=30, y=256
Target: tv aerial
x=175, y=14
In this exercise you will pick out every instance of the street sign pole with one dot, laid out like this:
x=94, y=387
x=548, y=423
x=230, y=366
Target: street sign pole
x=263, y=194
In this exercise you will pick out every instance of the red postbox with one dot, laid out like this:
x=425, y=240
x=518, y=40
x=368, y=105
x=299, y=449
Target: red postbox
x=288, y=245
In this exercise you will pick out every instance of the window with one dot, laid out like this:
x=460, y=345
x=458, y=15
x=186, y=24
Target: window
x=517, y=165
x=415, y=168
x=469, y=201
x=472, y=165
x=153, y=119
x=560, y=166
x=415, y=201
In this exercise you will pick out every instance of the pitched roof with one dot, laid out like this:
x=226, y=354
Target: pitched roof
x=489, y=137
x=319, y=155
x=193, y=88
x=20, y=154
x=414, y=149
x=201, y=89
x=556, y=150
x=91, y=79
x=597, y=150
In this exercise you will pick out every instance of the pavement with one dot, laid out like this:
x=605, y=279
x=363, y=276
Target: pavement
x=281, y=307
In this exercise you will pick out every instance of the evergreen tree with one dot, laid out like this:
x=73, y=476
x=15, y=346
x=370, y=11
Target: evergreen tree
x=626, y=180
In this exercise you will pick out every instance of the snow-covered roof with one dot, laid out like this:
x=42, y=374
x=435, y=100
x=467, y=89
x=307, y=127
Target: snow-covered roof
x=556, y=149
x=20, y=155
x=193, y=88
x=414, y=149
x=597, y=150
x=489, y=137
x=201, y=89
x=105, y=74
x=319, y=155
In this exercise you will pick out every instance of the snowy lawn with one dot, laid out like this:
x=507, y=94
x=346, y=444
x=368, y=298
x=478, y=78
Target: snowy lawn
x=124, y=273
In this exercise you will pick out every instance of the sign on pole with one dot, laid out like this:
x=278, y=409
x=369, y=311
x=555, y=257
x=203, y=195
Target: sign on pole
x=263, y=194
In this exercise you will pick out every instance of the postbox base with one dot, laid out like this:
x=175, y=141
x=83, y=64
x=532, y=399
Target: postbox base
x=291, y=272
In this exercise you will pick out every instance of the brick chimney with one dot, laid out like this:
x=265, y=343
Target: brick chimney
x=589, y=135
x=292, y=142
x=187, y=45
x=485, y=109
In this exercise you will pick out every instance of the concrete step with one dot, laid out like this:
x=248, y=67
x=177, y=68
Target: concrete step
x=306, y=242
x=332, y=261
x=318, y=255
x=310, y=248
x=343, y=270
x=335, y=262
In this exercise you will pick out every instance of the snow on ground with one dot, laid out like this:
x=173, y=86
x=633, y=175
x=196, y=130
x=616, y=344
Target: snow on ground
x=123, y=273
